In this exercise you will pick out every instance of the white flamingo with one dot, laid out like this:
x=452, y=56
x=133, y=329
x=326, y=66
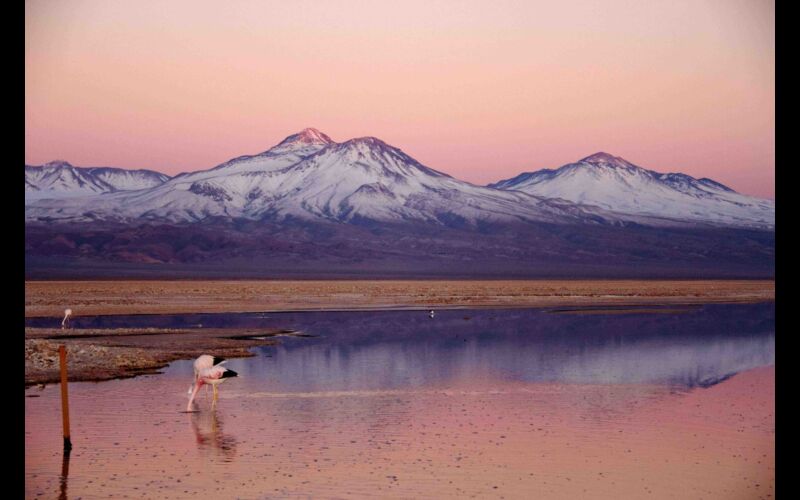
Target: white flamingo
x=65, y=321
x=205, y=375
x=201, y=363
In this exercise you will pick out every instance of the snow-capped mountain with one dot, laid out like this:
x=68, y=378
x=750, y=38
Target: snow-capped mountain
x=309, y=176
x=59, y=179
x=615, y=184
x=310, y=206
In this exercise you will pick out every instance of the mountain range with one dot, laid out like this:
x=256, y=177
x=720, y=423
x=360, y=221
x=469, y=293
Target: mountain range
x=616, y=184
x=371, y=208
x=59, y=179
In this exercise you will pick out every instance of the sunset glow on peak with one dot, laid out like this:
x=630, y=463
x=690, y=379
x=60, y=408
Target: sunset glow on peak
x=308, y=136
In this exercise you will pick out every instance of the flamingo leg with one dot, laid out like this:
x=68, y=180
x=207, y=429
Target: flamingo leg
x=194, y=393
x=215, y=393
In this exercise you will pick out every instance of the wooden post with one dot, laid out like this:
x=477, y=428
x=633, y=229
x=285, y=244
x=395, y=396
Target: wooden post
x=62, y=354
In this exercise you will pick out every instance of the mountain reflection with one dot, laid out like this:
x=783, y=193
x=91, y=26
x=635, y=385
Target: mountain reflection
x=389, y=365
x=363, y=351
x=686, y=346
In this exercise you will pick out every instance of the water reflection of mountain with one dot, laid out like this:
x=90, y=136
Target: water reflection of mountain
x=688, y=346
x=700, y=347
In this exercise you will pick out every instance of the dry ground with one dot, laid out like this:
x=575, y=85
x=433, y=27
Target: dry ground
x=50, y=298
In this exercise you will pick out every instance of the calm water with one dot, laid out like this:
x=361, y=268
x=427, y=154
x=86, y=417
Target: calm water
x=370, y=397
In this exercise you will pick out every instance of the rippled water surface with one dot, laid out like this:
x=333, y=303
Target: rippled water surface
x=663, y=402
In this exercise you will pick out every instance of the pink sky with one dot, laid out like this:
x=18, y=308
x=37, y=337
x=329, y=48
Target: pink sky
x=480, y=90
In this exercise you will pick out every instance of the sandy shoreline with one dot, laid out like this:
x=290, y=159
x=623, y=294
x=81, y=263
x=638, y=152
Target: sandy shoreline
x=50, y=298
x=94, y=355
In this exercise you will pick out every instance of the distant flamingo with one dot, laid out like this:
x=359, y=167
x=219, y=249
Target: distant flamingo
x=431, y=314
x=65, y=321
x=213, y=376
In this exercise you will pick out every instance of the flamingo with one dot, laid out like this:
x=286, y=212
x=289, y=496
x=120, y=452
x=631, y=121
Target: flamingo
x=213, y=376
x=65, y=321
x=203, y=362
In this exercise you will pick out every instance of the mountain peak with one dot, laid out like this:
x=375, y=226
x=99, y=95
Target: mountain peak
x=368, y=141
x=307, y=136
x=58, y=163
x=602, y=157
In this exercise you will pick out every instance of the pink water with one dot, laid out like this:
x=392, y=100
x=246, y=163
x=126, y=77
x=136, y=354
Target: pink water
x=478, y=404
x=477, y=439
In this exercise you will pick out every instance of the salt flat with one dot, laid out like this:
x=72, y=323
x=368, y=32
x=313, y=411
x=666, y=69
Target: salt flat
x=50, y=298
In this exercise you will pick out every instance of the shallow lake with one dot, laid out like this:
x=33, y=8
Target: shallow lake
x=485, y=402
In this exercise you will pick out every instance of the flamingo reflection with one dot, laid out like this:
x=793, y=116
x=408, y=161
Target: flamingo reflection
x=207, y=427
